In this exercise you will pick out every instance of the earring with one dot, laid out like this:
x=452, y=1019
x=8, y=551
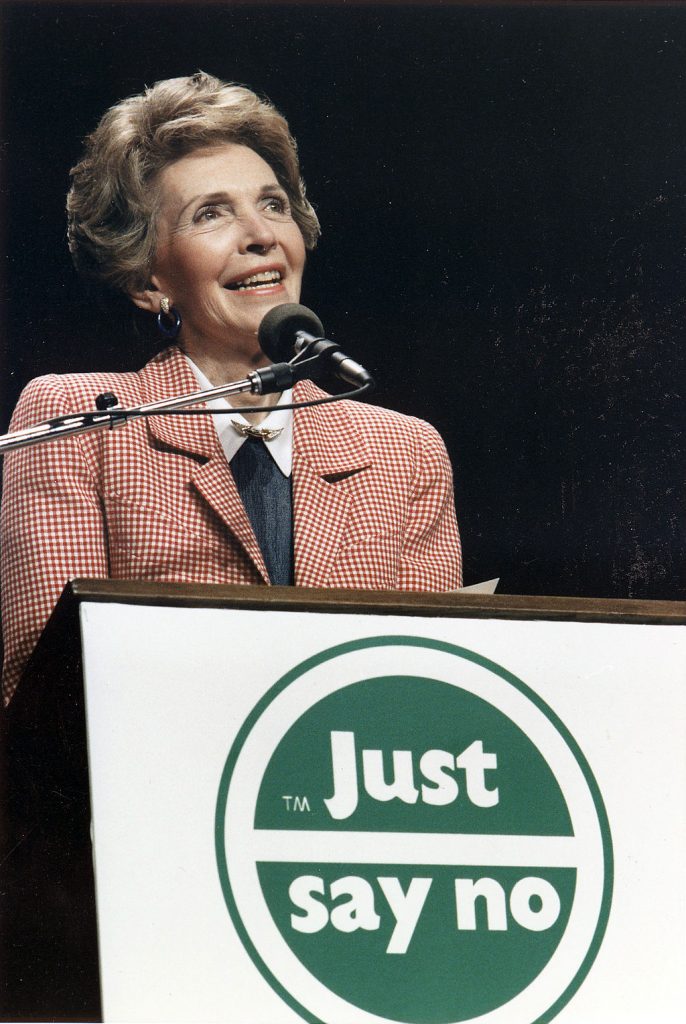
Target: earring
x=168, y=330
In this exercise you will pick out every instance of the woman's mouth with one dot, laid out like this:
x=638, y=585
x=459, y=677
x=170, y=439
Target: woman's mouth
x=263, y=280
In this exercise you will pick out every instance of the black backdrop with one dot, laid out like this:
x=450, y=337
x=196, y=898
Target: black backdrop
x=501, y=190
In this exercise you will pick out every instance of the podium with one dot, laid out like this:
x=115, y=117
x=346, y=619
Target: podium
x=250, y=804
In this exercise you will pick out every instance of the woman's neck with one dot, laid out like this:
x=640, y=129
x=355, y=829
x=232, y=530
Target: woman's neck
x=226, y=367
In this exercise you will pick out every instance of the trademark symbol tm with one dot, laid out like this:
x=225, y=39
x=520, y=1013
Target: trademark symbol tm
x=296, y=803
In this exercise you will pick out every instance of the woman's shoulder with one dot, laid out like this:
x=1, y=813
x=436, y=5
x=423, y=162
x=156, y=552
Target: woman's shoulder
x=67, y=385
x=56, y=394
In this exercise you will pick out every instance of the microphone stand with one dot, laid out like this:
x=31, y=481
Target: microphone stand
x=110, y=415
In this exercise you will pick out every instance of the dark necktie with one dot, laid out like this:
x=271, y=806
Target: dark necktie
x=266, y=496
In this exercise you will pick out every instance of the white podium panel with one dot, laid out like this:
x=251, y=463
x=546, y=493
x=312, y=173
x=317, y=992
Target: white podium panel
x=341, y=818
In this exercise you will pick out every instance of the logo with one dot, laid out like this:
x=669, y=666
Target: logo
x=406, y=832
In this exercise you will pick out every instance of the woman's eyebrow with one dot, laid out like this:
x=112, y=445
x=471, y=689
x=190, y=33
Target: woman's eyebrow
x=210, y=197
x=222, y=197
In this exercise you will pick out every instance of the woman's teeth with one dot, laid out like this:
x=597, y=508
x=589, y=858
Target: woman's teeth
x=266, y=277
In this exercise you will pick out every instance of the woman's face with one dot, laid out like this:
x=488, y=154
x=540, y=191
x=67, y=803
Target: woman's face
x=228, y=248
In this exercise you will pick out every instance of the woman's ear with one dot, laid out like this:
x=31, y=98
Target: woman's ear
x=148, y=298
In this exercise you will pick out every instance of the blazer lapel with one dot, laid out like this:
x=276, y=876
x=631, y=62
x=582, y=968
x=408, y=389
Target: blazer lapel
x=166, y=376
x=327, y=451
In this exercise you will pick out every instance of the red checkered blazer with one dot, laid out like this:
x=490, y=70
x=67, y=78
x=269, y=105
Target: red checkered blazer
x=155, y=500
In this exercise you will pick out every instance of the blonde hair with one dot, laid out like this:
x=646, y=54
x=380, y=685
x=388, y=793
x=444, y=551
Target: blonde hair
x=111, y=204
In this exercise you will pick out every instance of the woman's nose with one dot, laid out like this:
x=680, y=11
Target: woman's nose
x=258, y=232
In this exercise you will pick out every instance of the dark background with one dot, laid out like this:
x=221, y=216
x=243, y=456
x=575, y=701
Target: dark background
x=502, y=192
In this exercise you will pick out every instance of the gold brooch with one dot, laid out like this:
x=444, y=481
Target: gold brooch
x=247, y=430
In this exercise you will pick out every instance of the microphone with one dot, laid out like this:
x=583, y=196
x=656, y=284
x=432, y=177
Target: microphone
x=291, y=327
x=279, y=328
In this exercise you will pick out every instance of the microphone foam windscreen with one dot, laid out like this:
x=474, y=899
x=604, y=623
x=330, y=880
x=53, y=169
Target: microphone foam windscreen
x=279, y=327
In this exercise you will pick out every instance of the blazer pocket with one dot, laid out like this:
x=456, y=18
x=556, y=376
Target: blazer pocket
x=145, y=543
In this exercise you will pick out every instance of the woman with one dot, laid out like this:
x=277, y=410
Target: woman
x=189, y=200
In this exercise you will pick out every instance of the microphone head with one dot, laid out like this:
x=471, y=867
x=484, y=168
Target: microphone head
x=279, y=327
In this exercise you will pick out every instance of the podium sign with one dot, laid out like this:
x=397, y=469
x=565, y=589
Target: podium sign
x=307, y=816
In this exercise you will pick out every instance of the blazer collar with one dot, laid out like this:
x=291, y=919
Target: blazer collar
x=327, y=436
x=167, y=376
x=328, y=448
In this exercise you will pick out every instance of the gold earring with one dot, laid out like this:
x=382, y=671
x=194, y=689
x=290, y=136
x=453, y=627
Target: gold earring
x=165, y=305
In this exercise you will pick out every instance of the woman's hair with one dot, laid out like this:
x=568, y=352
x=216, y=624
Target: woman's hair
x=112, y=201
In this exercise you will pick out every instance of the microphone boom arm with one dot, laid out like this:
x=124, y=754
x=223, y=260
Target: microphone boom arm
x=109, y=414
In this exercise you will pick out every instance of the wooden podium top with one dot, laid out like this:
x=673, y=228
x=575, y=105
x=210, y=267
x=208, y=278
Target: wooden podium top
x=387, y=602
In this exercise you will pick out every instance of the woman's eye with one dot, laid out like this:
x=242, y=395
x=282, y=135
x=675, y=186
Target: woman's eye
x=276, y=204
x=207, y=213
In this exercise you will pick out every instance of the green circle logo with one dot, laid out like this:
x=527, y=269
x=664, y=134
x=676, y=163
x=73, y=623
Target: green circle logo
x=405, y=832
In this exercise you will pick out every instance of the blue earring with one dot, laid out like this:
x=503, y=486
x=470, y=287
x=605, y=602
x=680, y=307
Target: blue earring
x=168, y=312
